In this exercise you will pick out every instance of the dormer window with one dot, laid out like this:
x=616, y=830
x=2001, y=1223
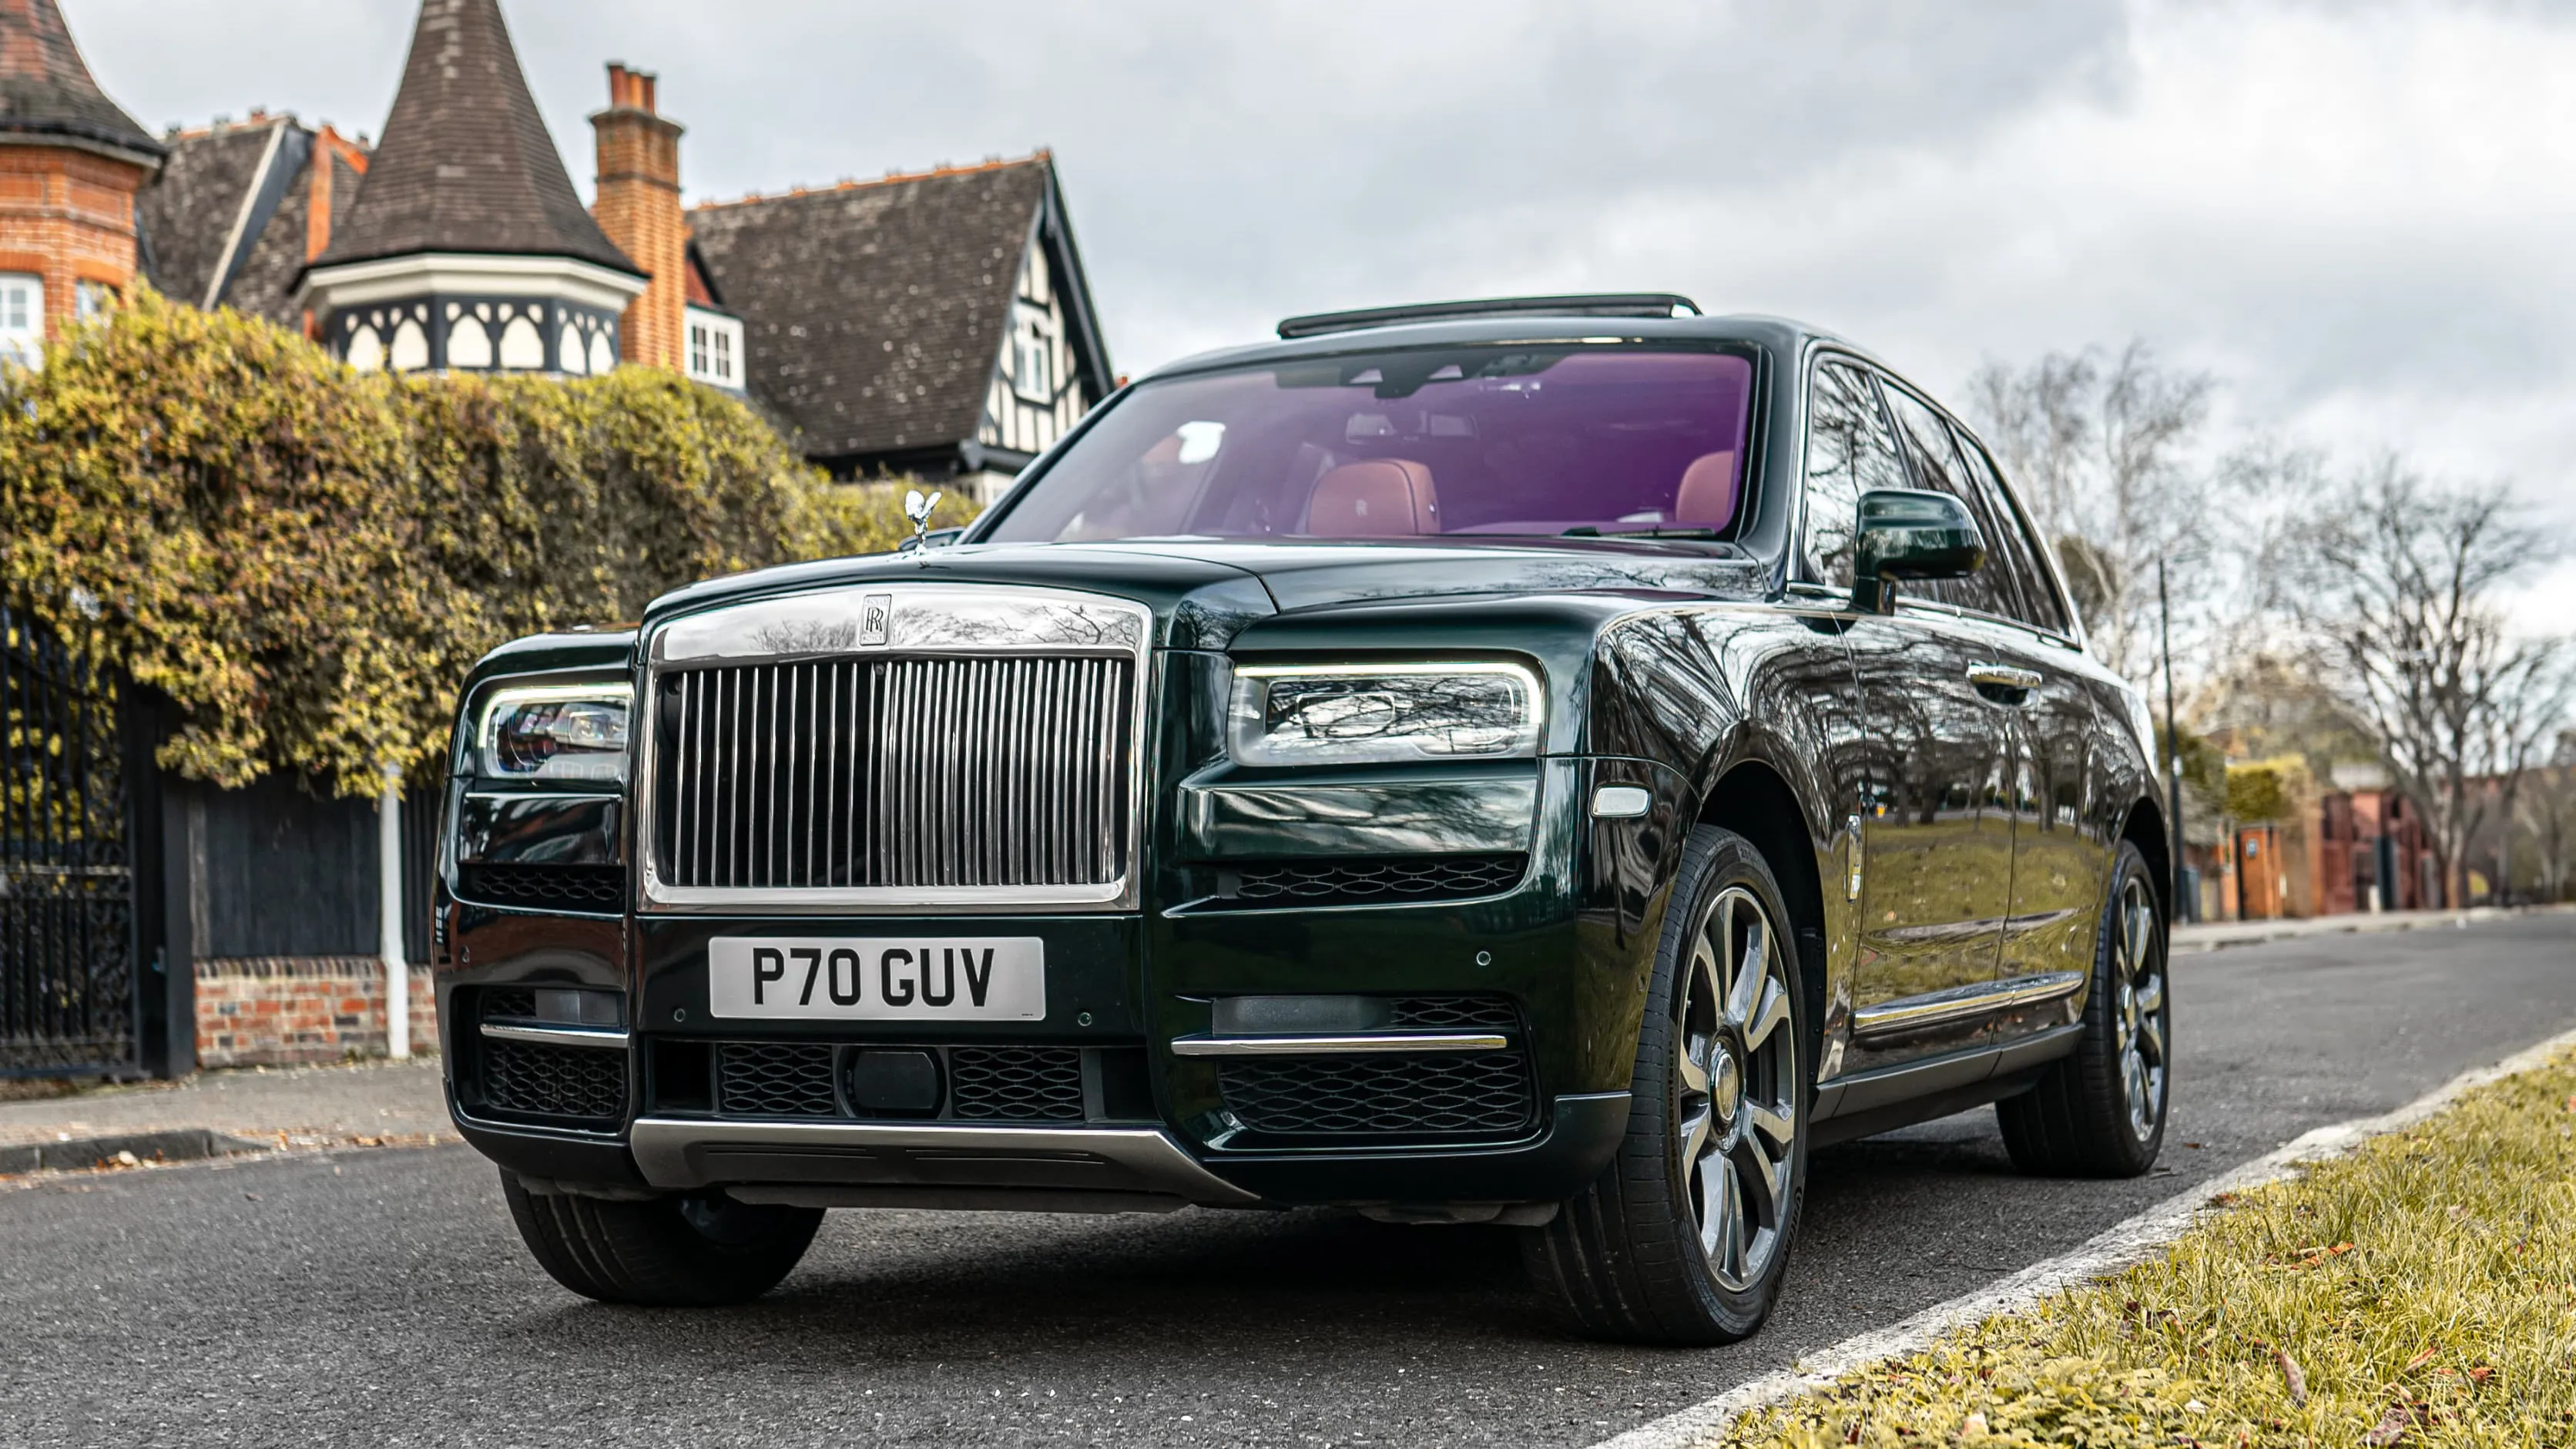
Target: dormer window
x=715, y=348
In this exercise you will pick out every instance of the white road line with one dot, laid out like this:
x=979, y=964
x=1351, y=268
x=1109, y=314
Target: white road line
x=2114, y=1248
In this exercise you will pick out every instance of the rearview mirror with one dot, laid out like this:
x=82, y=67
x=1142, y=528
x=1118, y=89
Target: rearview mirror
x=1909, y=533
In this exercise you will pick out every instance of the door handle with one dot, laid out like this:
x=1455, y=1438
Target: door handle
x=2003, y=676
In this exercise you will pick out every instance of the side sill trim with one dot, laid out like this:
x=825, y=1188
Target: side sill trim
x=1963, y=1003
x=1308, y=1046
x=577, y=1036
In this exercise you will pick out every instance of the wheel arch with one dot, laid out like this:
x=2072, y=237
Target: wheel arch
x=2147, y=829
x=1756, y=801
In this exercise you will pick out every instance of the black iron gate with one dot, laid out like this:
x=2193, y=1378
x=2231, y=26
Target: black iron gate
x=71, y=972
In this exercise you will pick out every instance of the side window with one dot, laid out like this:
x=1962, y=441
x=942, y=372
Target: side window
x=1937, y=467
x=2040, y=605
x=1849, y=452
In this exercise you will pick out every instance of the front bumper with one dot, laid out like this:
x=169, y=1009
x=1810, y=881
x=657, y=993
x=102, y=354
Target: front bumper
x=1569, y=947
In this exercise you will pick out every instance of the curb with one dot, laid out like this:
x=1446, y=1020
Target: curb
x=2116, y=1247
x=185, y=1144
x=2224, y=934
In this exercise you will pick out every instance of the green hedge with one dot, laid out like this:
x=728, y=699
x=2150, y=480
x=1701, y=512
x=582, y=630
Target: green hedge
x=306, y=559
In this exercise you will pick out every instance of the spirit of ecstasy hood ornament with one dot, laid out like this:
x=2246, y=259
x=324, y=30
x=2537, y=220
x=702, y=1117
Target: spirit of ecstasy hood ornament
x=917, y=508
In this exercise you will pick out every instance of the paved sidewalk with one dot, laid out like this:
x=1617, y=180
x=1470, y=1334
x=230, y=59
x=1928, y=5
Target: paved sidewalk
x=376, y=1103
x=2210, y=935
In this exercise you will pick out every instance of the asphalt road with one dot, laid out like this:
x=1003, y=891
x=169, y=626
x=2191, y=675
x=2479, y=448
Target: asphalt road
x=382, y=1296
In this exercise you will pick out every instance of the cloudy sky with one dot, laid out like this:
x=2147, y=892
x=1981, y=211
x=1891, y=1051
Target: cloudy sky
x=2360, y=217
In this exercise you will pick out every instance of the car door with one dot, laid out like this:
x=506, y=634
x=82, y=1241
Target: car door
x=2061, y=859
x=1927, y=780
x=2043, y=709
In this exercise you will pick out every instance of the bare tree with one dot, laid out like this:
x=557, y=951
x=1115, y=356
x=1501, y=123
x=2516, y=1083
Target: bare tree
x=2547, y=809
x=2396, y=586
x=2529, y=710
x=2103, y=456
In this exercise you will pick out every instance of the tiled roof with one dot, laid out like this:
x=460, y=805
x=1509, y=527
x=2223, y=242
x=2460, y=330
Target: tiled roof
x=264, y=279
x=874, y=312
x=46, y=88
x=466, y=163
x=187, y=213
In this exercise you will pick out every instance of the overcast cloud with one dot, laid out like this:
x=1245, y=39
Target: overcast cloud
x=2360, y=216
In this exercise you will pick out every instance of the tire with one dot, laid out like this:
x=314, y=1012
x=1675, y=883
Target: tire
x=696, y=1251
x=1650, y=1253
x=2101, y=1111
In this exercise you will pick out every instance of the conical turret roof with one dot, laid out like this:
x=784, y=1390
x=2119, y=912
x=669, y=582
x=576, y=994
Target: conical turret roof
x=46, y=89
x=466, y=163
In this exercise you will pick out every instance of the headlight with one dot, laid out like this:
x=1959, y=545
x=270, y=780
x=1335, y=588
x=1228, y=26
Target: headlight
x=1358, y=714
x=553, y=732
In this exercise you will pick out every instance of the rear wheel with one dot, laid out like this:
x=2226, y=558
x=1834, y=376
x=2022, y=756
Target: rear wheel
x=671, y=1250
x=2101, y=1111
x=1686, y=1235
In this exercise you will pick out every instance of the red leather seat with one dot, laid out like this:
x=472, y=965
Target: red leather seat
x=1709, y=489
x=1380, y=498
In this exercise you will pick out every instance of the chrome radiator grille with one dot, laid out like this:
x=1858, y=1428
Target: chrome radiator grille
x=877, y=772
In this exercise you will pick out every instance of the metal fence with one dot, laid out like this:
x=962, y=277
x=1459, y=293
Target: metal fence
x=72, y=801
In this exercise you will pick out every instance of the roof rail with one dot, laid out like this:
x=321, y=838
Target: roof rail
x=1601, y=304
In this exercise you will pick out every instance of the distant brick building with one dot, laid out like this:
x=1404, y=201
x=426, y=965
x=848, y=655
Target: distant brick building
x=934, y=323
x=71, y=165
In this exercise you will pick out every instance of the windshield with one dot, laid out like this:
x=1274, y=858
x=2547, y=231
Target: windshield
x=1458, y=440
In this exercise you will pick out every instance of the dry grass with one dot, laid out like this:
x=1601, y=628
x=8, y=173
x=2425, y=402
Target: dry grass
x=2421, y=1291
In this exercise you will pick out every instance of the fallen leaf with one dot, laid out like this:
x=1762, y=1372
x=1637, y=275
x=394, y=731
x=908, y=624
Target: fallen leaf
x=2481, y=1374
x=2391, y=1428
x=2419, y=1360
x=2297, y=1380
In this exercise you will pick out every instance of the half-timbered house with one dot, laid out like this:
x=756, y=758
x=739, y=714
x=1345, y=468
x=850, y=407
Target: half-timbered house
x=937, y=325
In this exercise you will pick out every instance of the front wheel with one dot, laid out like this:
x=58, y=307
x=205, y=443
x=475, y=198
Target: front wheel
x=2101, y=1111
x=1686, y=1235
x=667, y=1251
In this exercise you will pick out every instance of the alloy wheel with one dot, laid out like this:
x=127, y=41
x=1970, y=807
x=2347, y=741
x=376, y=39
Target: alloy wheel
x=2140, y=1012
x=1737, y=1121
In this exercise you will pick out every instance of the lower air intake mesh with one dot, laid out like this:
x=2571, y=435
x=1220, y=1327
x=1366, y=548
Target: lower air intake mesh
x=982, y=1084
x=527, y=1079
x=594, y=888
x=1016, y=1084
x=1391, y=880
x=1443, y=1095
x=776, y=1079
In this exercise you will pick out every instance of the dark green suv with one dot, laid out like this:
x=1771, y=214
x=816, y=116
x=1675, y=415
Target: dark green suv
x=1551, y=763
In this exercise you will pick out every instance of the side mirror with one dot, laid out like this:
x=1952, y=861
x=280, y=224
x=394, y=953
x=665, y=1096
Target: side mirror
x=1908, y=533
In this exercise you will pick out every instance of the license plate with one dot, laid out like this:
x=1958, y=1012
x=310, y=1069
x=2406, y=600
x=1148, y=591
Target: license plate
x=843, y=978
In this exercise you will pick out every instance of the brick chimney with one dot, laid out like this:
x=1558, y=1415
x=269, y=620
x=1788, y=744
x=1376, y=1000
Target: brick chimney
x=639, y=207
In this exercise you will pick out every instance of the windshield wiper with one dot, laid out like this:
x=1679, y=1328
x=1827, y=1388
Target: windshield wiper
x=1586, y=530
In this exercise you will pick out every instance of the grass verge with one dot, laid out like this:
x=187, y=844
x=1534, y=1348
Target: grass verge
x=2419, y=1291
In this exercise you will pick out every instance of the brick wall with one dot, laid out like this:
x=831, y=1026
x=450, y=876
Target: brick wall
x=68, y=217
x=283, y=1010
x=639, y=208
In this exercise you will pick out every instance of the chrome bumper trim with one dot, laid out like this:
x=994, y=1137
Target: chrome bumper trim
x=1962, y=1003
x=684, y=1153
x=577, y=1036
x=1337, y=1046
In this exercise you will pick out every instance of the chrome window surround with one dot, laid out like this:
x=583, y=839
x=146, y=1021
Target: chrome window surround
x=898, y=619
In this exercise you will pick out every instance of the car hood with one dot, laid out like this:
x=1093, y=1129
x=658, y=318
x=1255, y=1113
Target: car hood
x=1204, y=593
